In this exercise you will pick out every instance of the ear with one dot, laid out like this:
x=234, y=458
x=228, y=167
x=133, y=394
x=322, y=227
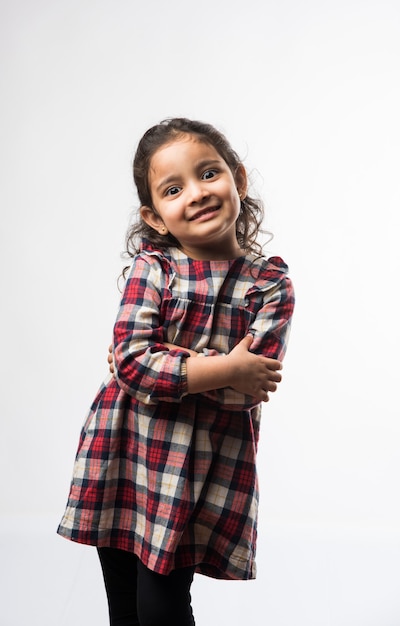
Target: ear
x=153, y=220
x=241, y=181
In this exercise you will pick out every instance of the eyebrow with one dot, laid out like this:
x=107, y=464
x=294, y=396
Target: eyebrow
x=198, y=166
x=166, y=181
x=207, y=162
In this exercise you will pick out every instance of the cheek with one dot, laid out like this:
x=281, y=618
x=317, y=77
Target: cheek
x=170, y=216
x=235, y=200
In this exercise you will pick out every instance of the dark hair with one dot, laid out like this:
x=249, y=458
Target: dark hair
x=251, y=211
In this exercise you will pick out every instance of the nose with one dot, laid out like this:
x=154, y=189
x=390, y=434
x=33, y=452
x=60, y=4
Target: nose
x=197, y=191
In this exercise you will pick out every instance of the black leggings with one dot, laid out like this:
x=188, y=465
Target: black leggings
x=139, y=597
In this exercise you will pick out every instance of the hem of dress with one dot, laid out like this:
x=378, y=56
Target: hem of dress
x=204, y=568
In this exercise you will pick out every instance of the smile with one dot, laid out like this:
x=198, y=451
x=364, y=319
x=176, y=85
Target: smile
x=204, y=213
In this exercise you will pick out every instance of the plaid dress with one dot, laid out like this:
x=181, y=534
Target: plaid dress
x=167, y=475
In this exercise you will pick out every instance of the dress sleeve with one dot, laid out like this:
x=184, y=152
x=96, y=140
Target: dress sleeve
x=144, y=367
x=270, y=327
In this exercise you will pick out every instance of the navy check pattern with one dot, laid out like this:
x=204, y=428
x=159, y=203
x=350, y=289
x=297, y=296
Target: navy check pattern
x=168, y=475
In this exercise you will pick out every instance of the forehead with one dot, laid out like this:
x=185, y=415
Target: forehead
x=183, y=152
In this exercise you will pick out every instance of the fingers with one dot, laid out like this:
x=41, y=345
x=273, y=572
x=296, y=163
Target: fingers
x=274, y=376
x=265, y=386
x=273, y=364
x=246, y=341
x=272, y=370
x=110, y=360
x=271, y=386
x=265, y=397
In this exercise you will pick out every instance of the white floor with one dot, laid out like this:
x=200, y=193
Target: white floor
x=306, y=577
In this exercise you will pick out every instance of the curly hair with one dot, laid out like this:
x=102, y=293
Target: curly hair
x=251, y=213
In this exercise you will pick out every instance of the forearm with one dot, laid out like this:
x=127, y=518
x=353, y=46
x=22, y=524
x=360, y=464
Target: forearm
x=204, y=374
x=225, y=396
x=226, y=379
x=207, y=374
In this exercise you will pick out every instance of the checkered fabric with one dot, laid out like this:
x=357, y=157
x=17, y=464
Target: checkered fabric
x=168, y=475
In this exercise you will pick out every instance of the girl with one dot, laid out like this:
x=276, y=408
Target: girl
x=165, y=481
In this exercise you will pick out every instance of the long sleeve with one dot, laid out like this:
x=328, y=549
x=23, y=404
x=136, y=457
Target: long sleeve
x=144, y=366
x=152, y=310
x=270, y=329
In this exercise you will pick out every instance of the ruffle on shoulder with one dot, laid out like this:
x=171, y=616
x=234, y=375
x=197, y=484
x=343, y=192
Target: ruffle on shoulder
x=270, y=273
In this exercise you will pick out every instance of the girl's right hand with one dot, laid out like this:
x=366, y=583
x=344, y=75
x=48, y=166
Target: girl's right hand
x=244, y=371
x=252, y=374
x=110, y=360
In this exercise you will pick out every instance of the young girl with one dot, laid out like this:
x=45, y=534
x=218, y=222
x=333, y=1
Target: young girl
x=165, y=481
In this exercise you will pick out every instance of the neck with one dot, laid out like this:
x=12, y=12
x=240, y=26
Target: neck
x=209, y=254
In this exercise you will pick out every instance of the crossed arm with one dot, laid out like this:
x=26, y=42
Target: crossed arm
x=243, y=371
x=162, y=371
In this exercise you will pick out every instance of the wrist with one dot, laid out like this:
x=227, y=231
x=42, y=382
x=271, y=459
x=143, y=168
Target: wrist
x=207, y=374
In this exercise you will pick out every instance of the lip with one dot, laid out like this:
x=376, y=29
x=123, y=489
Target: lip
x=204, y=213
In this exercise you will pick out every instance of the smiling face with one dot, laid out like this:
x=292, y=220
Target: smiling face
x=195, y=198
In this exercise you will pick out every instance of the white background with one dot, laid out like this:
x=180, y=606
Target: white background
x=308, y=92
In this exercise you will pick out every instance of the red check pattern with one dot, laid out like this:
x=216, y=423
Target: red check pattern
x=159, y=472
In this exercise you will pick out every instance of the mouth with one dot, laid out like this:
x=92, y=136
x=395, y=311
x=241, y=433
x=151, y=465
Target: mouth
x=204, y=213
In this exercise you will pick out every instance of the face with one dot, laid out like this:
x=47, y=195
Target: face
x=195, y=198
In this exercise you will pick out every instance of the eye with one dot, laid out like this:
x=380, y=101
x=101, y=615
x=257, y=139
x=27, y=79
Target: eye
x=209, y=174
x=172, y=191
